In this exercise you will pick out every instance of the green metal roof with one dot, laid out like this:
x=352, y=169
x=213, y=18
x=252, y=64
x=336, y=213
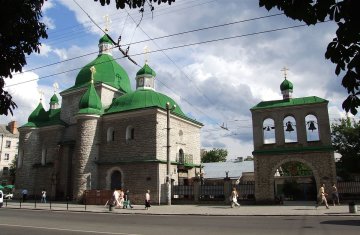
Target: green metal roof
x=142, y=99
x=105, y=39
x=146, y=70
x=294, y=150
x=286, y=85
x=38, y=115
x=90, y=102
x=54, y=99
x=46, y=118
x=108, y=71
x=289, y=102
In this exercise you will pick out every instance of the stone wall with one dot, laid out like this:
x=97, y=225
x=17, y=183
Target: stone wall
x=321, y=163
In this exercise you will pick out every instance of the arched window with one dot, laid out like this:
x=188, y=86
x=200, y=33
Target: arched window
x=181, y=158
x=290, y=132
x=312, y=128
x=20, y=158
x=269, y=131
x=110, y=134
x=130, y=133
x=43, y=156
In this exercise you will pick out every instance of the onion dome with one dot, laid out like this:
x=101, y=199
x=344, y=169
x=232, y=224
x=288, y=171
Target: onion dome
x=142, y=99
x=38, y=115
x=108, y=71
x=90, y=102
x=286, y=85
x=54, y=99
x=146, y=71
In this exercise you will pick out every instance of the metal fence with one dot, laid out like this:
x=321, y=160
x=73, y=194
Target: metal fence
x=350, y=187
x=182, y=191
x=246, y=191
x=212, y=191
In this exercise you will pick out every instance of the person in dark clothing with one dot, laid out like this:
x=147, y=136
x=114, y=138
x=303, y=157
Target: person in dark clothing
x=127, y=200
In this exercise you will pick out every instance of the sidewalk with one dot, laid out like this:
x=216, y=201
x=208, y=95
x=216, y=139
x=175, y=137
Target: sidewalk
x=289, y=209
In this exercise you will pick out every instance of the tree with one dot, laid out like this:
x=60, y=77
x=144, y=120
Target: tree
x=344, y=50
x=134, y=3
x=346, y=141
x=214, y=155
x=12, y=169
x=20, y=32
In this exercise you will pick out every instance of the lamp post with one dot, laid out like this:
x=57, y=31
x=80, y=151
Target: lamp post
x=168, y=180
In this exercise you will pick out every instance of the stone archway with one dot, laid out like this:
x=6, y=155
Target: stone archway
x=301, y=186
x=321, y=164
x=114, y=178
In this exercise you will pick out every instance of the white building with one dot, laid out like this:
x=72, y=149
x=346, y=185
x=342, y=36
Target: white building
x=9, y=141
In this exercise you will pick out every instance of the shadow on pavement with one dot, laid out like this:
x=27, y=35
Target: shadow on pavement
x=342, y=222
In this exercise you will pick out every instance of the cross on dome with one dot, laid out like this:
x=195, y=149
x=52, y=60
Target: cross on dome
x=93, y=71
x=107, y=22
x=56, y=87
x=146, y=54
x=41, y=93
x=285, y=71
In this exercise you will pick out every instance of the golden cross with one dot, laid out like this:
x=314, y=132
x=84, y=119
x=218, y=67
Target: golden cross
x=285, y=71
x=93, y=71
x=41, y=92
x=56, y=87
x=107, y=22
x=146, y=52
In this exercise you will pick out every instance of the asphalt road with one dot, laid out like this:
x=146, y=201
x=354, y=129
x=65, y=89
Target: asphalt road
x=33, y=222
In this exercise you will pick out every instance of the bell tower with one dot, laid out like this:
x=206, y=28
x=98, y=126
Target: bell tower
x=300, y=130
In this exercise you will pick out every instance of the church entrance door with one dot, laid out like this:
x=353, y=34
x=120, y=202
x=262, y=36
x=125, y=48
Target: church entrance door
x=115, y=180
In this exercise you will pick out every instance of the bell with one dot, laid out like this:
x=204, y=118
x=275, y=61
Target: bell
x=312, y=126
x=267, y=128
x=289, y=127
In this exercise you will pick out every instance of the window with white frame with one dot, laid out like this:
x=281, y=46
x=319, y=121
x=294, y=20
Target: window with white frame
x=8, y=144
x=6, y=157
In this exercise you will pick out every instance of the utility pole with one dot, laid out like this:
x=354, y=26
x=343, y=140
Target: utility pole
x=168, y=177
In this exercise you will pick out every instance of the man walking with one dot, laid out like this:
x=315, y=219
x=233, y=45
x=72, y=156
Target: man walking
x=322, y=197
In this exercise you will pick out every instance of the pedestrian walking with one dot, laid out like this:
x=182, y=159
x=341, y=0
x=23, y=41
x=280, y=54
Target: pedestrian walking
x=43, y=196
x=322, y=197
x=24, y=194
x=335, y=195
x=147, y=200
x=233, y=197
x=127, y=199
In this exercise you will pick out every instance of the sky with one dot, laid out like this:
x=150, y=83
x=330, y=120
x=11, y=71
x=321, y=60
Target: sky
x=215, y=74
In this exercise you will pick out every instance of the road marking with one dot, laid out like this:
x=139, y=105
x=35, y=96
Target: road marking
x=67, y=230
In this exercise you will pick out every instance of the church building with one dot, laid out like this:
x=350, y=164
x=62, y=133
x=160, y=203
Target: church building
x=106, y=136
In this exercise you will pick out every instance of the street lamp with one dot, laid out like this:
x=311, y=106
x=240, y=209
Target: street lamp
x=168, y=180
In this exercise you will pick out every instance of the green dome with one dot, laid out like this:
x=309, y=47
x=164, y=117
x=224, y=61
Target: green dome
x=286, y=85
x=108, y=71
x=38, y=115
x=105, y=39
x=90, y=102
x=146, y=70
x=54, y=99
x=142, y=99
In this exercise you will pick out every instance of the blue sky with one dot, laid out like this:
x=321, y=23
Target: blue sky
x=216, y=82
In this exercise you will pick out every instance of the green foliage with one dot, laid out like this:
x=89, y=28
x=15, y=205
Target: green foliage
x=134, y=3
x=214, y=155
x=295, y=169
x=20, y=33
x=346, y=141
x=12, y=168
x=344, y=50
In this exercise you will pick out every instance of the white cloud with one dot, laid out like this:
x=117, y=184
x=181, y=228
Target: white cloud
x=232, y=75
x=44, y=50
x=50, y=23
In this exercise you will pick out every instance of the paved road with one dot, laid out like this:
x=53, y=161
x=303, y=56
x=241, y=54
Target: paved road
x=33, y=222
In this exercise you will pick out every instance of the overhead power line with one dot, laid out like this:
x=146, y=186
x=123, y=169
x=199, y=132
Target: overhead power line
x=156, y=38
x=175, y=47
